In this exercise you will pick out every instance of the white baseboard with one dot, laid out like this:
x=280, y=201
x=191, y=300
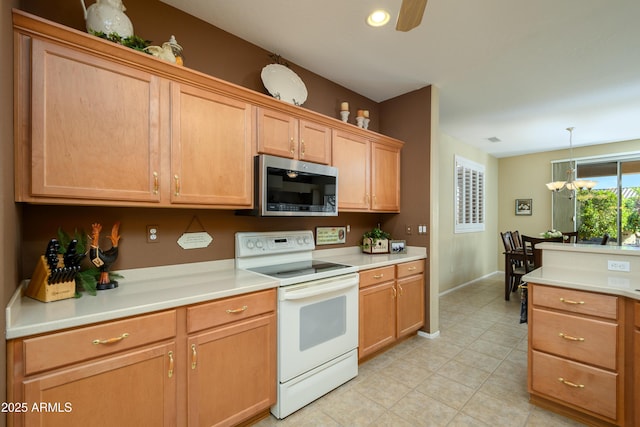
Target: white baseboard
x=424, y=334
x=471, y=282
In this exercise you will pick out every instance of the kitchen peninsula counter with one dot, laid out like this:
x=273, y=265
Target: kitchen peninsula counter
x=585, y=267
x=146, y=290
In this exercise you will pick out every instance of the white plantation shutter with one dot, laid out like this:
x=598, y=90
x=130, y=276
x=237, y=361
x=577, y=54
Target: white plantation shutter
x=469, y=197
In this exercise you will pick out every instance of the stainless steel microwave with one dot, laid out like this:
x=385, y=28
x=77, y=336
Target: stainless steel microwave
x=287, y=187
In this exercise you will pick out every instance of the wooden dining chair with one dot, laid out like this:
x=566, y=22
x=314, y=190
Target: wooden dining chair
x=517, y=239
x=570, y=236
x=513, y=269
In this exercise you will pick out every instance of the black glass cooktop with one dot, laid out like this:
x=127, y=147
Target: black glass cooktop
x=300, y=268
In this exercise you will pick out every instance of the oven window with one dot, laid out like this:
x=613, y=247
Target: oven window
x=322, y=321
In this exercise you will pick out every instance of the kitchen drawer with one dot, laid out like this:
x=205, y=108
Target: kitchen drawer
x=64, y=348
x=579, y=338
x=212, y=314
x=590, y=388
x=377, y=275
x=576, y=301
x=409, y=269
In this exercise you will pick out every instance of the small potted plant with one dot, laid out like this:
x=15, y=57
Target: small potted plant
x=375, y=241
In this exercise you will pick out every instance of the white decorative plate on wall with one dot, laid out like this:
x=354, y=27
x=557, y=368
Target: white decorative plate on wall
x=282, y=83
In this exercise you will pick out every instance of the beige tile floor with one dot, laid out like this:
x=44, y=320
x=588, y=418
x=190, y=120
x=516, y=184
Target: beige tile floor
x=474, y=374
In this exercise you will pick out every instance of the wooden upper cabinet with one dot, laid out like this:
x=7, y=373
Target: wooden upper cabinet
x=315, y=142
x=385, y=178
x=211, y=148
x=283, y=135
x=94, y=127
x=368, y=173
x=351, y=155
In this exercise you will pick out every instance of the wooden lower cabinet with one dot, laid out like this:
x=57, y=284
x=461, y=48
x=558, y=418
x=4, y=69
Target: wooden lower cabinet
x=211, y=364
x=577, y=354
x=134, y=388
x=232, y=359
x=391, y=305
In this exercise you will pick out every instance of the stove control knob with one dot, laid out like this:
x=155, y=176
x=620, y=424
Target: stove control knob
x=299, y=241
x=250, y=244
x=306, y=240
x=259, y=244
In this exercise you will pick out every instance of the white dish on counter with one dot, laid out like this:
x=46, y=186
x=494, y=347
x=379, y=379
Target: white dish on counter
x=282, y=83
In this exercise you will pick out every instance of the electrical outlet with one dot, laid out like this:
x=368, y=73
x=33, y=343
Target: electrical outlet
x=618, y=265
x=408, y=229
x=152, y=234
x=348, y=228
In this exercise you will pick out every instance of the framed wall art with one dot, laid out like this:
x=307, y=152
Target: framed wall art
x=397, y=246
x=524, y=206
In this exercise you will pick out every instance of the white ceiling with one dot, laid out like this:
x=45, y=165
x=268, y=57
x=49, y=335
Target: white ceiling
x=519, y=70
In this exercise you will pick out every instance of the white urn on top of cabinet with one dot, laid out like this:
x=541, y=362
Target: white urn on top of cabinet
x=107, y=16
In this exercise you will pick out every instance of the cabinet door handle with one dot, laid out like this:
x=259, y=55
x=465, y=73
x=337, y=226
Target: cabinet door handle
x=156, y=184
x=568, y=301
x=292, y=147
x=111, y=340
x=401, y=291
x=378, y=276
x=302, y=148
x=170, y=372
x=237, y=310
x=176, y=178
x=570, y=384
x=570, y=338
x=194, y=357
x=395, y=294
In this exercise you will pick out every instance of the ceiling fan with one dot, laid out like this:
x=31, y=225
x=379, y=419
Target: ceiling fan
x=410, y=16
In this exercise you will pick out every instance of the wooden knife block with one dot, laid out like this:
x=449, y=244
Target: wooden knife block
x=40, y=289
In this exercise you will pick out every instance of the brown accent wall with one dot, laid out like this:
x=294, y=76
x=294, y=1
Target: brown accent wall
x=9, y=212
x=220, y=54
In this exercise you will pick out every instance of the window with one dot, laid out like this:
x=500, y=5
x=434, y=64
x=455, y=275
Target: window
x=469, y=198
x=612, y=207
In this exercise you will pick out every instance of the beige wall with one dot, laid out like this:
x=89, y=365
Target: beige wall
x=464, y=257
x=525, y=177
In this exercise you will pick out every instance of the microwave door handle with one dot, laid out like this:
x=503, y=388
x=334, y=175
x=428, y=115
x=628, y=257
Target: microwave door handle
x=317, y=290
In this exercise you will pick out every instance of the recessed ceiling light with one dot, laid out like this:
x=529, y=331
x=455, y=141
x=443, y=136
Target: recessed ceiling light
x=378, y=18
x=494, y=139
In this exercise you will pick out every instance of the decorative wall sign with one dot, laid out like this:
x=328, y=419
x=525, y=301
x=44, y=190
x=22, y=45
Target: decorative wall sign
x=524, y=206
x=331, y=235
x=195, y=239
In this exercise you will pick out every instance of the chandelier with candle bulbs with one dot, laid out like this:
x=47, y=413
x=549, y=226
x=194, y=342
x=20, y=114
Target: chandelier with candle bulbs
x=571, y=183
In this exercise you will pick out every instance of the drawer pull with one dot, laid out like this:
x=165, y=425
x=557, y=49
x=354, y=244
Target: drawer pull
x=194, y=357
x=378, y=276
x=568, y=301
x=170, y=373
x=237, y=310
x=111, y=340
x=412, y=268
x=570, y=338
x=570, y=384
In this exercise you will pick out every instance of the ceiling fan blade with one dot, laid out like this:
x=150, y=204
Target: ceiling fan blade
x=410, y=16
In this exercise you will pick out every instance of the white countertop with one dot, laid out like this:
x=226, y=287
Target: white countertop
x=585, y=267
x=145, y=290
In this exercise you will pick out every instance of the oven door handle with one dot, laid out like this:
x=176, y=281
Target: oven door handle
x=318, y=290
